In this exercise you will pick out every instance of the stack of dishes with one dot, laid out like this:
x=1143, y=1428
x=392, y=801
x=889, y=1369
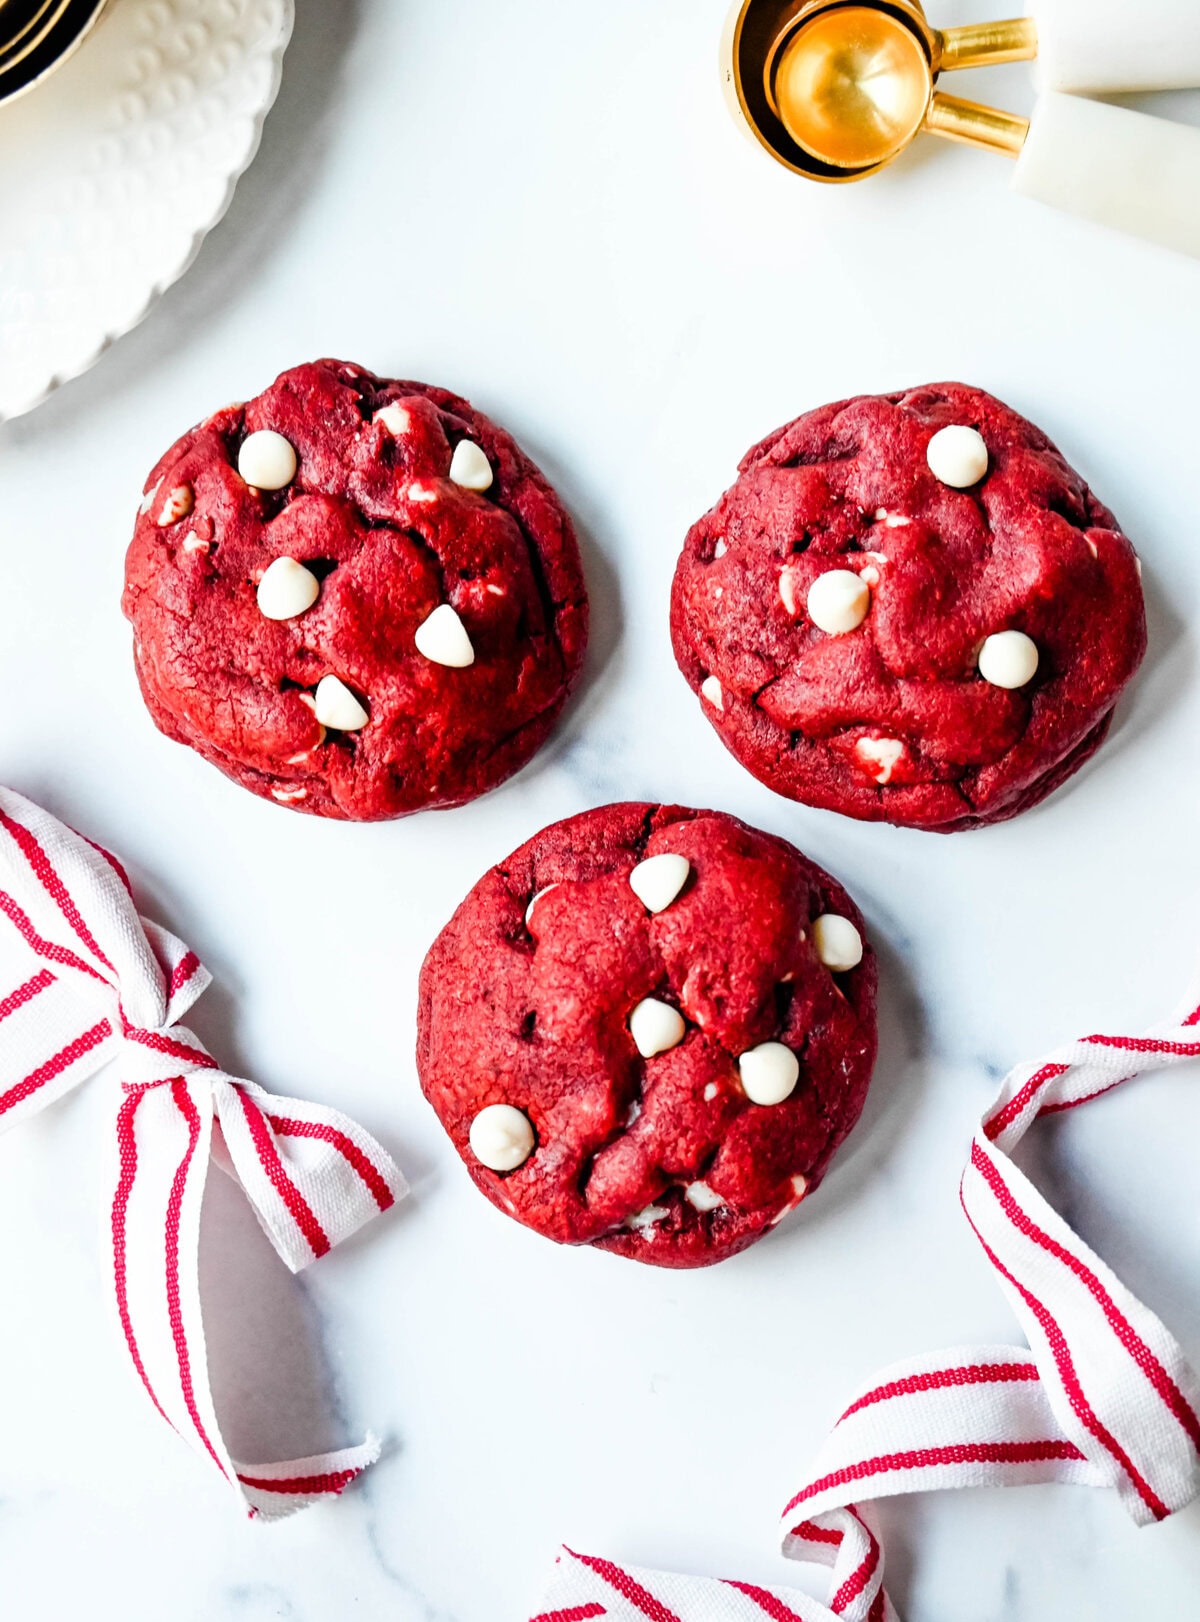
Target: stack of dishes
x=36, y=35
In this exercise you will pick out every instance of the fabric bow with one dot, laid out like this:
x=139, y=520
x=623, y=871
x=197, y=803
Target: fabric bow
x=1101, y=1396
x=85, y=982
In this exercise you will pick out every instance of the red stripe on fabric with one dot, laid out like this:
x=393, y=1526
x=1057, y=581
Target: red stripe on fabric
x=171, y=1049
x=26, y=993
x=127, y=1153
x=182, y=973
x=858, y=1579
x=45, y=871
x=62, y=1060
x=1071, y=1383
x=50, y=950
x=1074, y=1103
x=944, y=1379
x=1016, y=1105
x=370, y=1175
x=1145, y=1044
x=628, y=1587
x=185, y=1106
x=298, y=1207
x=928, y=1458
x=308, y=1486
x=1193, y=1018
x=575, y=1613
x=767, y=1602
x=108, y=856
x=878, y=1608
x=816, y=1534
x=1170, y=1394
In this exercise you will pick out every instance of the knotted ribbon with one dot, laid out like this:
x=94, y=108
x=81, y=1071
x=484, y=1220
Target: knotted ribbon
x=1101, y=1396
x=84, y=983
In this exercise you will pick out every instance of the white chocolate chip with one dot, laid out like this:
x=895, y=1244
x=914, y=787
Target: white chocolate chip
x=267, y=460
x=287, y=589
x=710, y=691
x=288, y=796
x=769, y=1073
x=1009, y=659
x=298, y=760
x=443, y=639
x=394, y=418
x=425, y=493
x=655, y=1027
x=957, y=456
x=533, y=903
x=195, y=543
x=896, y=521
x=838, y=601
x=658, y=880
x=871, y=575
x=178, y=504
x=799, y=1190
x=720, y=549
x=879, y=756
x=148, y=497
x=496, y=591
x=787, y=592
x=501, y=1137
x=335, y=706
x=837, y=942
x=710, y=1092
x=702, y=1197
x=470, y=467
x=643, y=1221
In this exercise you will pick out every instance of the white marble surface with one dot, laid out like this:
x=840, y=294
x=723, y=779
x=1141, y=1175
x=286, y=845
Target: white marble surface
x=544, y=205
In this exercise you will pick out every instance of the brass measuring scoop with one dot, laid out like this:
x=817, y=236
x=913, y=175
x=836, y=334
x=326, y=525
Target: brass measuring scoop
x=837, y=89
x=854, y=84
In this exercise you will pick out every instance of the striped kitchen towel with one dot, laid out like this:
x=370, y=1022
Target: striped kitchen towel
x=86, y=984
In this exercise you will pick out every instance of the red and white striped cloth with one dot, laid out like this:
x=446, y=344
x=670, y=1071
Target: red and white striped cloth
x=1101, y=1396
x=584, y=1586
x=85, y=983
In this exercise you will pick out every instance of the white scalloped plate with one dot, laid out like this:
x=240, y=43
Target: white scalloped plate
x=113, y=172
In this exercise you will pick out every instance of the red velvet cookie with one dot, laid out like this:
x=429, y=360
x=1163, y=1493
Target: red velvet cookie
x=355, y=596
x=909, y=609
x=649, y=1030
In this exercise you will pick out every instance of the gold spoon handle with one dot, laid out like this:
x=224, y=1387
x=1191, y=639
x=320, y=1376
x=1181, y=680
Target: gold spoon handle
x=980, y=45
x=969, y=122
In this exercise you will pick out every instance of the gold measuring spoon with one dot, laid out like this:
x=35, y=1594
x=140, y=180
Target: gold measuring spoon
x=854, y=84
x=837, y=89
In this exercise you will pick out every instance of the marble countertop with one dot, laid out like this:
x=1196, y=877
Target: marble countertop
x=545, y=206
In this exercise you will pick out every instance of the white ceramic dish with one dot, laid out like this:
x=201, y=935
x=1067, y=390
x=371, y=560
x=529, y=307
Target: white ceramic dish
x=116, y=168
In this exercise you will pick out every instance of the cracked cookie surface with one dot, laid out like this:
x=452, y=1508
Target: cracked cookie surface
x=886, y=714
x=431, y=573
x=528, y=996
